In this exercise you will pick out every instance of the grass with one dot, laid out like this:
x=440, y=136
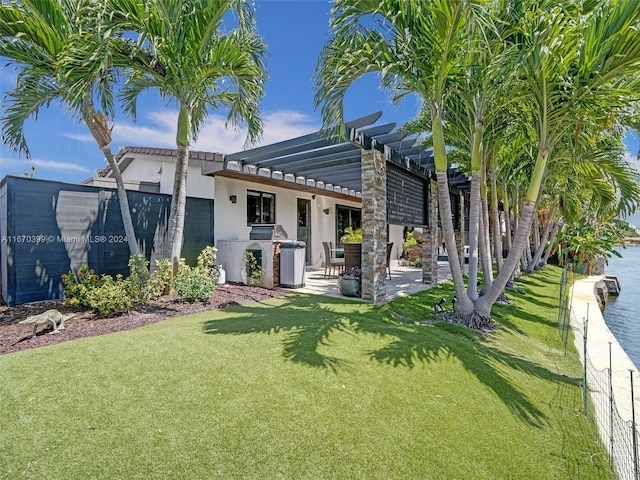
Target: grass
x=306, y=387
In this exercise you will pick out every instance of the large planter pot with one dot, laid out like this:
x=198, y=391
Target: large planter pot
x=352, y=255
x=349, y=286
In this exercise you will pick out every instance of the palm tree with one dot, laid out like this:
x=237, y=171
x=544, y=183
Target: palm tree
x=417, y=47
x=560, y=55
x=197, y=64
x=61, y=55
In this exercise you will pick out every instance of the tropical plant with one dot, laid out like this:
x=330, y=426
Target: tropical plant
x=160, y=280
x=351, y=235
x=254, y=270
x=77, y=287
x=586, y=241
x=111, y=296
x=567, y=63
x=198, y=62
x=412, y=238
x=193, y=283
x=62, y=53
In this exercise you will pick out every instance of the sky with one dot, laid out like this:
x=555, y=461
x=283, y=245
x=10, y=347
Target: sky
x=294, y=31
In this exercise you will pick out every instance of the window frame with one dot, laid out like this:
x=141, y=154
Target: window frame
x=262, y=196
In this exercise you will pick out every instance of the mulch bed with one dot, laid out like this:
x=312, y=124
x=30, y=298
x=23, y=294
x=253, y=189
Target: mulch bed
x=15, y=337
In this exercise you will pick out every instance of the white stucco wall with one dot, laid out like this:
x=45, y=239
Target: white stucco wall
x=149, y=169
x=395, y=236
x=231, y=218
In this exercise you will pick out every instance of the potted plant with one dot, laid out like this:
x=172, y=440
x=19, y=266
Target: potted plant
x=352, y=244
x=255, y=272
x=349, y=282
x=351, y=235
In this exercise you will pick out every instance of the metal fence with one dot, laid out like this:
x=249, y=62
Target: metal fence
x=620, y=436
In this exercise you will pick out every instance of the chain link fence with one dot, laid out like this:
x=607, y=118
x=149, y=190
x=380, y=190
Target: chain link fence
x=621, y=437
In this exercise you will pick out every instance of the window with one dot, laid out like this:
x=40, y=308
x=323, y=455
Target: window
x=347, y=217
x=261, y=207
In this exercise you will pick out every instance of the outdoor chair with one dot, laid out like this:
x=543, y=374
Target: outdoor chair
x=330, y=261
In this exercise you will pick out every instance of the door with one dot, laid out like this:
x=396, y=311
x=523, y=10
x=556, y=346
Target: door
x=304, y=226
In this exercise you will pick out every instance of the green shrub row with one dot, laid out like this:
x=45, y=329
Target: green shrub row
x=87, y=289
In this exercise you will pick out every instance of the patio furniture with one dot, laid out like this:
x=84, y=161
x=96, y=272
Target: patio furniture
x=352, y=255
x=331, y=262
x=389, y=250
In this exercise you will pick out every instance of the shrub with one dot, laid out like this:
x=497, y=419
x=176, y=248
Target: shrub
x=160, y=280
x=412, y=238
x=138, y=277
x=411, y=263
x=111, y=296
x=193, y=283
x=207, y=260
x=254, y=270
x=77, y=288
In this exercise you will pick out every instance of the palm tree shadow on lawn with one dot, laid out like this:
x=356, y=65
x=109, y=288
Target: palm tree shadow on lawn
x=309, y=321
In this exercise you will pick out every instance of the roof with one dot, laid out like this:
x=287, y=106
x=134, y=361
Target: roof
x=316, y=162
x=126, y=154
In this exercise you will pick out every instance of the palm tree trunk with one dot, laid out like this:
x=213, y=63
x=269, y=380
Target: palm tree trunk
x=134, y=249
x=485, y=242
x=551, y=243
x=179, y=198
x=474, y=216
x=178, y=207
x=477, y=134
x=483, y=304
x=507, y=216
x=545, y=236
x=495, y=214
x=464, y=305
x=101, y=132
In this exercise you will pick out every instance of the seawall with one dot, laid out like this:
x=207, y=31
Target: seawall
x=586, y=308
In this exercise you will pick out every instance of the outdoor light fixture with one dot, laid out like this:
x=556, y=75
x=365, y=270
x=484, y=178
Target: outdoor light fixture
x=326, y=211
x=233, y=198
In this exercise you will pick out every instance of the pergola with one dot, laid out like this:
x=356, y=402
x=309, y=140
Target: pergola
x=388, y=171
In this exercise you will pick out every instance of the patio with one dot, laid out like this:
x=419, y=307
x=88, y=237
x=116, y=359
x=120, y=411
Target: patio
x=404, y=281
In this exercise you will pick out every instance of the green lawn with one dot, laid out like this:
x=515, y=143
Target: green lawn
x=305, y=387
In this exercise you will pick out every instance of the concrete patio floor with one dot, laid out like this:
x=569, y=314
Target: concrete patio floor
x=404, y=281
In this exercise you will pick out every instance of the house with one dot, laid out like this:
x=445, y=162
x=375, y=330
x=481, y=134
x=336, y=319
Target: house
x=312, y=187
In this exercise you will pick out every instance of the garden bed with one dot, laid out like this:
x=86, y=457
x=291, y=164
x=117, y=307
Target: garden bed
x=14, y=337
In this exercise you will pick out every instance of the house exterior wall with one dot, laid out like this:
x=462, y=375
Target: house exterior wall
x=231, y=218
x=148, y=168
x=396, y=236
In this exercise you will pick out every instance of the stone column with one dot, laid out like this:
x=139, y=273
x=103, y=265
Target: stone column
x=430, y=239
x=374, y=226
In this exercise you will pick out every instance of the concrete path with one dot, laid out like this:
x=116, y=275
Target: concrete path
x=404, y=281
x=585, y=308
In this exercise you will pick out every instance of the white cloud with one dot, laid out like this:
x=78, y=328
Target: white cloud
x=80, y=137
x=159, y=130
x=20, y=166
x=632, y=160
x=53, y=165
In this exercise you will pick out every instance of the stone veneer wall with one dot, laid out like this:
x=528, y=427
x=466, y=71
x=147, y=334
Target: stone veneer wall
x=276, y=264
x=374, y=226
x=430, y=240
